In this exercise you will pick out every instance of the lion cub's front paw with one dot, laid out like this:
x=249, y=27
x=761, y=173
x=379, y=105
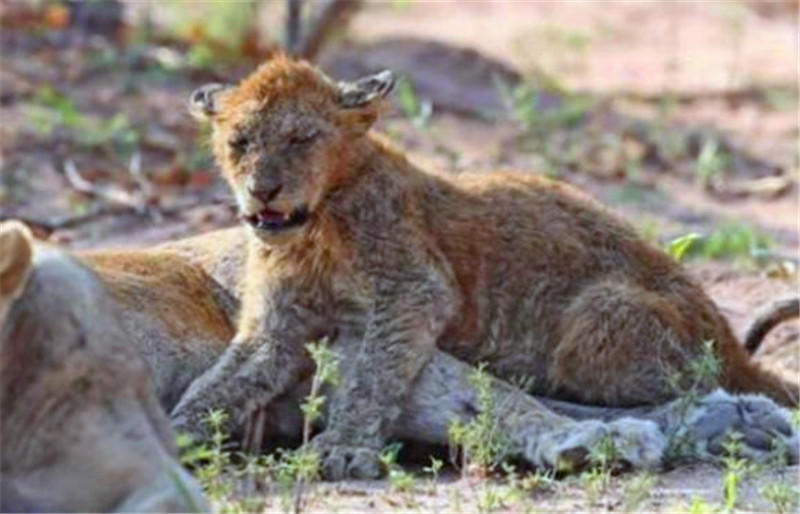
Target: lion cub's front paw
x=624, y=443
x=340, y=461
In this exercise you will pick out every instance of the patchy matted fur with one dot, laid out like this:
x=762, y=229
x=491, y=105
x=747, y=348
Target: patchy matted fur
x=205, y=271
x=519, y=272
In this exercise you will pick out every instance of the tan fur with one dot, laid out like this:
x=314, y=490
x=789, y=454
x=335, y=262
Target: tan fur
x=161, y=282
x=16, y=244
x=519, y=272
x=81, y=427
x=206, y=270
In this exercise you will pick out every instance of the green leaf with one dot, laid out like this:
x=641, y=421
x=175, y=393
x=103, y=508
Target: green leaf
x=678, y=247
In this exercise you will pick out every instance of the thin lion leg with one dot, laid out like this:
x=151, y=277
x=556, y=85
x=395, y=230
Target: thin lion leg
x=444, y=393
x=699, y=428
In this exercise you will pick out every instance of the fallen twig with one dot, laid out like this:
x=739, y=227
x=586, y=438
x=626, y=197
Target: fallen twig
x=110, y=194
x=146, y=192
x=764, y=186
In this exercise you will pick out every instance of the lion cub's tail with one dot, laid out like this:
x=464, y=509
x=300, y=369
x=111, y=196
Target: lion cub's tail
x=745, y=375
x=769, y=318
x=751, y=378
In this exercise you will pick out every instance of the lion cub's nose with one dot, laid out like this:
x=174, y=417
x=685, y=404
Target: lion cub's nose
x=265, y=196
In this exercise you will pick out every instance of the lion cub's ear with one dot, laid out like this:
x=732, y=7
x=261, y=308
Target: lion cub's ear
x=364, y=91
x=204, y=101
x=16, y=253
x=359, y=99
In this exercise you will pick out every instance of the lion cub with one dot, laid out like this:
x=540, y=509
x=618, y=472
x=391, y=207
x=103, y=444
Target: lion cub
x=351, y=241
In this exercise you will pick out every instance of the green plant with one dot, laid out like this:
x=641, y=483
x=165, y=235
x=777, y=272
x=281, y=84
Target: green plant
x=736, y=469
x=699, y=505
x=698, y=377
x=399, y=480
x=490, y=499
x=433, y=470
x=595, y=482
x=481, y=441
x=780, y=99
x=783, y=496
x=678, y=247
x=604, y=453
x=648, y=230
x=711, y=161
x=602, y=457
x=50, y=111
x=209, y=460
x=292, y=470
x=327, y=372
x=417, y=110
x=402, y=4
x=794, y=418
x=539, y=480
x=298, y=468
x=216, y=29
x=522, y=101
x=735, y=240
x=637, y=491
x=731, y=240
x=252, y=470
x=455, y=500
x=520, y=488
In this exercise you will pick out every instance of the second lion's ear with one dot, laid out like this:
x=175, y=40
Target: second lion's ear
x=15, y=261
x=204, y=101
x=363, y=92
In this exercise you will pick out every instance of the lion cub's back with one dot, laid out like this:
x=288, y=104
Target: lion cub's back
x=543, y=224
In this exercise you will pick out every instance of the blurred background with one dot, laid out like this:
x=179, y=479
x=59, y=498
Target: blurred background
x=683, y=116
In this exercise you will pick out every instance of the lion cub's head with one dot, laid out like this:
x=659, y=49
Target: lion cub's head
x=284, y=135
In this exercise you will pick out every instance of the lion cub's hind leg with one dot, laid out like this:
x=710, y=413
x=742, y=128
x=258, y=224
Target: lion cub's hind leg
x=620, y=346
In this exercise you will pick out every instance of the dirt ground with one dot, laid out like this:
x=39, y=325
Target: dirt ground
x=116, y=115
x=694, y=488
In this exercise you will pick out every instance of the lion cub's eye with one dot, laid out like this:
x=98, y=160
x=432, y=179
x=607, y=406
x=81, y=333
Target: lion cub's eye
x=239, y=143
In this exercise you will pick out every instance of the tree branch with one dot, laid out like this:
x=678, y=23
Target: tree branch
x=294, y=10
x=332, y=14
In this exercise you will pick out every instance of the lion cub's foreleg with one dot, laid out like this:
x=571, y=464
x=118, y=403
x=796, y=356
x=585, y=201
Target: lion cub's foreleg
x=266, y=358
x=407, y=316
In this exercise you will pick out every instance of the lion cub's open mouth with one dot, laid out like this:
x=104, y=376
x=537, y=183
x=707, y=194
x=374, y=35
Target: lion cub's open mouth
x=274, y=221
